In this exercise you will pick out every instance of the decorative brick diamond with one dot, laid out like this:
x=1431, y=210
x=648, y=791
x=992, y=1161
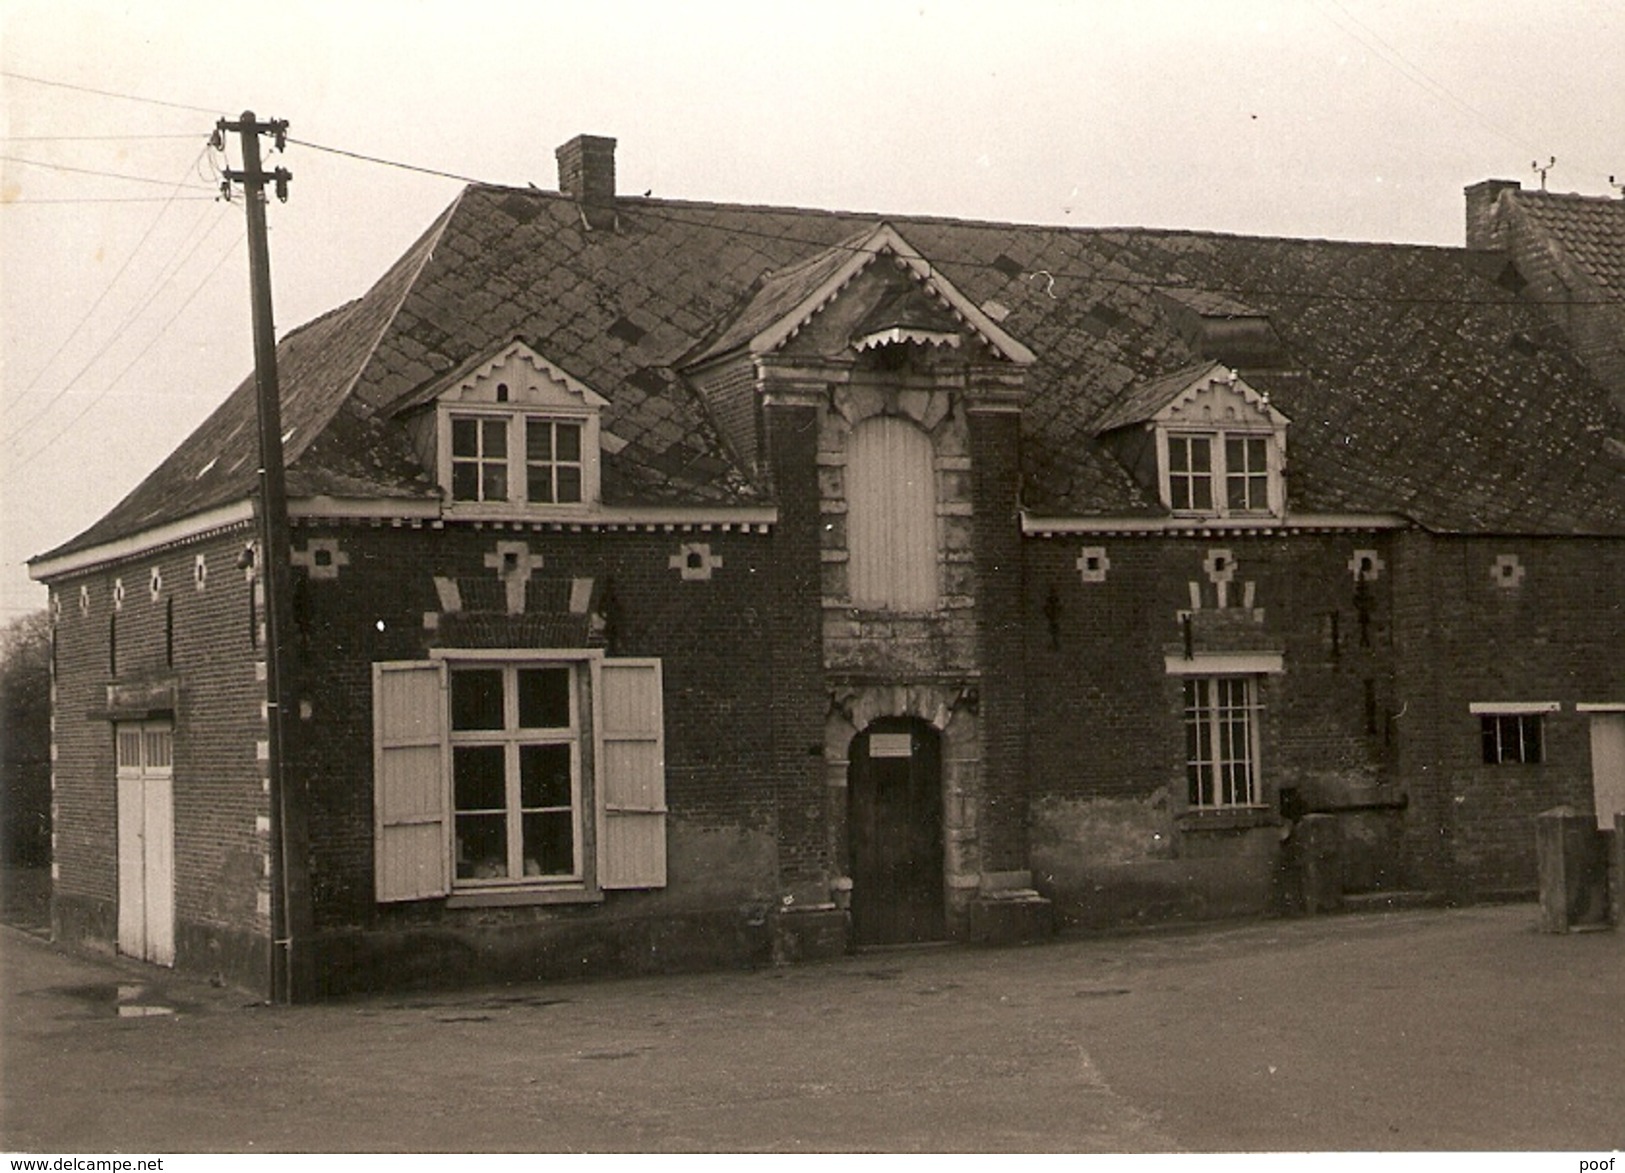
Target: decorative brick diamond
x=694, y=561
x=1365, y=566
x=1093, y=564
x=321, y=558
x=1220, y=566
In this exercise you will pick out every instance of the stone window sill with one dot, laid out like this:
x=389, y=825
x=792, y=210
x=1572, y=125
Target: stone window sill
x=1228, y=819
x=510, y=897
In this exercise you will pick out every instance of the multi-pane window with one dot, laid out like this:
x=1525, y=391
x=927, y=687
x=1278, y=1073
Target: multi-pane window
x=1247, y=474
x=146, y=745
x=1221, y=739
x=515, y=759
x=479, y=458
x=510, y=776
x=1510, y=737
x=553, y=472
x=1219, y=472
x=1190, y=472
x=518, y=458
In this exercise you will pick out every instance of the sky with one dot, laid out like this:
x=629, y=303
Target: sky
x=124, y=296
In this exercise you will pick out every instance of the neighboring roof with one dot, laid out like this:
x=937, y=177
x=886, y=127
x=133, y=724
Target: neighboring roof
x=1418, y=386
x=1589, y=229
x=1210, y=303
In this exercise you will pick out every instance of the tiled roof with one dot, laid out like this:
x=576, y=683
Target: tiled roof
x=1144, y=400
x=1589, y=229
x=780, y=292
x=1211, y=303
x=1418, y=385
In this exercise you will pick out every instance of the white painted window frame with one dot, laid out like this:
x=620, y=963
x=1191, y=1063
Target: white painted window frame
x=511, y=738
x=518, y=415
x=1218, y=472
x=628, y=808
x=1208, y=686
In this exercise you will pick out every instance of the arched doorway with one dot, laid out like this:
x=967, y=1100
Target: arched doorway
x=894, y=828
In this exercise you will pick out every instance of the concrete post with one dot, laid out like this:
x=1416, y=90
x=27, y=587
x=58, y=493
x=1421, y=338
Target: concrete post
x=1320, y=840
x=1573, y=871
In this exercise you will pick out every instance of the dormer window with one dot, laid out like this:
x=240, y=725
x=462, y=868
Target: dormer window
x=1220, y=472
x=1207, y=443
x=482, y=454
x=512, y=433
x=553, y=461
x=479, y=458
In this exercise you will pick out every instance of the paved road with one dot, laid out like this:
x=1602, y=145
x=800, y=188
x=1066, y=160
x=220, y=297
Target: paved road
x=1413, y=1031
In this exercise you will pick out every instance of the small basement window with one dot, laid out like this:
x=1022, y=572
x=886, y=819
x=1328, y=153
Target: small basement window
x=1511, y=737
x=1510, y=733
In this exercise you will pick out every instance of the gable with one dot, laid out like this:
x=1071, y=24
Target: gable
x=515, y=374
x=1208, y=395
x=788, y=303
x=1221, y=398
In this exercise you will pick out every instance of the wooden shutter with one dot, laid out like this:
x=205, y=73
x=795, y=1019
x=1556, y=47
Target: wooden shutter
x=411, y=844
x=631, y=775
x=891, y=519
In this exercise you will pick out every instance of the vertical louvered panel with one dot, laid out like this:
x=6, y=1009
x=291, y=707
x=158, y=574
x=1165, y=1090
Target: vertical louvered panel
x=891, y=517
x=411, y=848
x=631, y=775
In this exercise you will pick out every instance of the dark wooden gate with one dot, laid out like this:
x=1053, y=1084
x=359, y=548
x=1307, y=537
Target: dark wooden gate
x=894, y=825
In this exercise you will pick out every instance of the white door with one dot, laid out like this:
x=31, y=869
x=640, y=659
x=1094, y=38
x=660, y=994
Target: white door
x=1608, y=764
x=146, y=840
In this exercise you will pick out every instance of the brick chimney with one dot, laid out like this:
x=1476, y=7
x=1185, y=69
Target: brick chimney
x=1483, y=225
x=587, y=172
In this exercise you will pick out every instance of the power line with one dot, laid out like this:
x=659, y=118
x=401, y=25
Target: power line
x=178, y=199
x=1391, y=56
x=162, y=330
x=86, y=138
x=165, y=275
x=63, y=85
x=91, y=171
x=387, y=162
x=108, y=288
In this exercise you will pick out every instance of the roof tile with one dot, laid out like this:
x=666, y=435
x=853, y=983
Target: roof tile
x=1409, y=398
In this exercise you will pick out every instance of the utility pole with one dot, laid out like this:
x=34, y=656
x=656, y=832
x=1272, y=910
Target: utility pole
x=291, y=920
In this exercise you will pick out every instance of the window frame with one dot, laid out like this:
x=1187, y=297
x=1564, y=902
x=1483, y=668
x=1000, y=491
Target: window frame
x=512, y=738
x=553, y=464
x=1210, y=713
x=620, y=766
x=1218, y=475
x=518, y=418
x=1496, y=719
x=480, y=460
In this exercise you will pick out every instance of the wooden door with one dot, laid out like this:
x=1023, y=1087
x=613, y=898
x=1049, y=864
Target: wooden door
x=894, y=825
x=1608, y=765
x=146, y=840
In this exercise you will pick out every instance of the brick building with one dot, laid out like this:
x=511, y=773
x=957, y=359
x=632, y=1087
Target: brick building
x=682, y=584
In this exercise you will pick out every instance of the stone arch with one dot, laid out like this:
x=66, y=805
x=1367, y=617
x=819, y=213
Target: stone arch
x=950, y=709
